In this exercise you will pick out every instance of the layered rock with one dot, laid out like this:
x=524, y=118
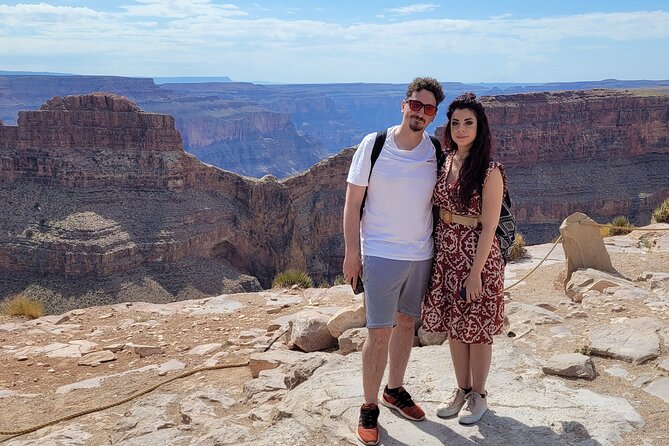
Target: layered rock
x=94, y=187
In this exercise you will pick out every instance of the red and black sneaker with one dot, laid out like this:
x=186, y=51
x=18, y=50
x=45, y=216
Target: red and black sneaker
x=368, y=425
x=400, y=400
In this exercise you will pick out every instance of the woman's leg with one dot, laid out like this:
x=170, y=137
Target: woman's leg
x=460, y=355
x=480, y=357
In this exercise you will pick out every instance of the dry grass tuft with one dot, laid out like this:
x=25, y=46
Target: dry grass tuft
x=518, y=248
x=21, y=305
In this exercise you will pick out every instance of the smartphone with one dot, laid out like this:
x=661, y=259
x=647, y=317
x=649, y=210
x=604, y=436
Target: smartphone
x=359, y=288
x=463, y=293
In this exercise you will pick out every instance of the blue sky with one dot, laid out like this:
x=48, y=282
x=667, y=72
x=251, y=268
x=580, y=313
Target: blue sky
x=340, y=40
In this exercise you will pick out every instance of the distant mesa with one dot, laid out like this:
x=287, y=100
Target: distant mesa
x=93, y=101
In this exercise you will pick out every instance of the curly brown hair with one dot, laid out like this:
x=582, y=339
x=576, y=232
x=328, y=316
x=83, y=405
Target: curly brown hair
x=426, y=83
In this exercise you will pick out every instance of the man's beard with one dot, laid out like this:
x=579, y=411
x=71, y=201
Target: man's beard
x=417, y=125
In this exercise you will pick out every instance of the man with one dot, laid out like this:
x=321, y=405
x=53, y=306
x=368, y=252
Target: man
x=390, y=248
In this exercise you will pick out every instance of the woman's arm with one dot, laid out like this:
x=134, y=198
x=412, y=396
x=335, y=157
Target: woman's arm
x=493, y=192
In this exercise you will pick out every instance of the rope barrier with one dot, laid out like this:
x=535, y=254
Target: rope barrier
x=14, y=434
x=559, y=239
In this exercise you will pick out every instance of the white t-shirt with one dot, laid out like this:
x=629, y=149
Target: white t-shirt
x=397, y=218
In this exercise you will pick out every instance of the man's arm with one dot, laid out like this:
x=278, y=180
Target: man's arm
x=352, y=261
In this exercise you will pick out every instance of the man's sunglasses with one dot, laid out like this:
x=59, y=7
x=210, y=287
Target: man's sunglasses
x=415, y=105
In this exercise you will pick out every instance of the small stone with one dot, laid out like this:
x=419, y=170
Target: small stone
x=274, y=310
x=577, y=314
x=51, y=371
x=21, y=358
x=96, y=358
x=146, y=350
x=114, y=348
x=617, y=308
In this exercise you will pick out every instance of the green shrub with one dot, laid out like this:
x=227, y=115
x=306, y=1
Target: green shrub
x=21, y=305
x=584, y=350
x=339, y=280
x=620, y=221
x=292, y=277
x=661, y=213
x=518, y=248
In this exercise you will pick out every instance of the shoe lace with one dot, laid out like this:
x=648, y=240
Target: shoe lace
x=404, y=397
x=369, y=417
x=472, y=399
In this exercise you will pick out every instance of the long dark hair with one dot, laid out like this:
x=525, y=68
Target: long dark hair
x=472, y=172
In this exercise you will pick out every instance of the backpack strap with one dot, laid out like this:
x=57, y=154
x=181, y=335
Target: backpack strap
x=379, y=141
x=441, y=157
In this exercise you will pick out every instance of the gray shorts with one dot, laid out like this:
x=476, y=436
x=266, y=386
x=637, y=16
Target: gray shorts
x=393, y=286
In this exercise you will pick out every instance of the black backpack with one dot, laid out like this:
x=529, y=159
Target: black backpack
x=506, y=229
x=376, y=151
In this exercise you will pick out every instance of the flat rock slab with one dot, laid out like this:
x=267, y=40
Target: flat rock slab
x=521, y=313
x=572, y=365
x=633, y=340
x=325, y=408
x=659, y=388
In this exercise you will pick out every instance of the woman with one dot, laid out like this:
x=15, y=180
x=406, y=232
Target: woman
x=465, y=298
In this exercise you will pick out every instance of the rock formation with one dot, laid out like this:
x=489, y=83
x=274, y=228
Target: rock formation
x=94, y=187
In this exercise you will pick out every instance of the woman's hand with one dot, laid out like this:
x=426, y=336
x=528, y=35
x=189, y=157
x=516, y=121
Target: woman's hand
x=474, y=287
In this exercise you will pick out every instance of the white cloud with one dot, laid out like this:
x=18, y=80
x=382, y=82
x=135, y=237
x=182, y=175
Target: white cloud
x=175, y=37
x=413, y=9
x=182, y=8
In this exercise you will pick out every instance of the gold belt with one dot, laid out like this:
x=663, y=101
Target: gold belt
x=448, y=217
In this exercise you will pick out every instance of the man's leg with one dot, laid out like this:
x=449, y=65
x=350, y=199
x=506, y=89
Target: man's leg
x=374, y=359
x=401, y=342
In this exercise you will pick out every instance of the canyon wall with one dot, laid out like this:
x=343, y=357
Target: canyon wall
x=93, y=188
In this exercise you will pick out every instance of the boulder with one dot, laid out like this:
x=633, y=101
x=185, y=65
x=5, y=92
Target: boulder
x=352, y=340
x=309, y=332
x=351, y=317
x=571, y=365
x=427, y=338
x=589, y=281
x=583, y=245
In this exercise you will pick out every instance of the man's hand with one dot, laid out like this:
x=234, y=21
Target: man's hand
x=352, y=263
x=352, y=270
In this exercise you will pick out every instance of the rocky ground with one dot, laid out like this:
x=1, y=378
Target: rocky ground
x=60, y=365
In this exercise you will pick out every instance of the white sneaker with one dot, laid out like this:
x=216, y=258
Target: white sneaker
x=453, y=404
x=474, y=409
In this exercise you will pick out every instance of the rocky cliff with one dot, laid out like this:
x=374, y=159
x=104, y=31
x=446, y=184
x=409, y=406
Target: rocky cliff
x=221, y=123
x=96, y=189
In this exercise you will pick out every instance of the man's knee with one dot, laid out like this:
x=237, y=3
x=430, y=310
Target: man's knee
x=405, y=322
x=379, y=337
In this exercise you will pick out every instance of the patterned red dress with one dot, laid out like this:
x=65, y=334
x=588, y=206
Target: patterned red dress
x=455, y=246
